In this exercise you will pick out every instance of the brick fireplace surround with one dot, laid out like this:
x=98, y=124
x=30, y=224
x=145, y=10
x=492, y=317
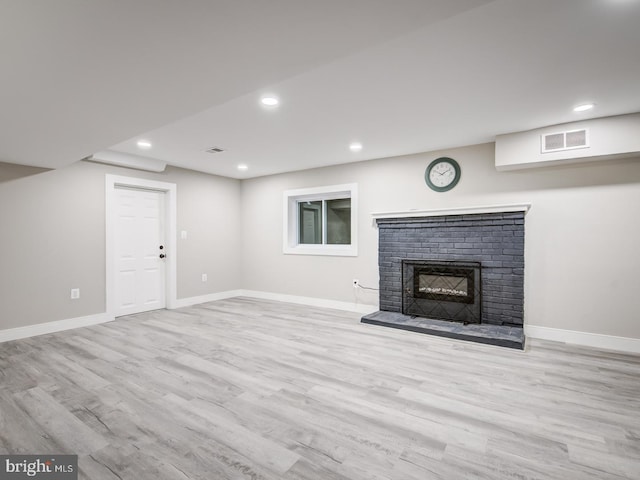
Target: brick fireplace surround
x=493, y=238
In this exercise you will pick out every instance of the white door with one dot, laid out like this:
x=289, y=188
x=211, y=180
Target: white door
x=139, y=251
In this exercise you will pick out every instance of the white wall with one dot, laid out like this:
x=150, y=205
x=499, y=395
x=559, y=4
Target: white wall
x=53, y=238
x=581, y=244
x=582, y=235
x=608, y=138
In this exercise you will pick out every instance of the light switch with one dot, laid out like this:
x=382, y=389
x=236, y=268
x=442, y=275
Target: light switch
x=75, y=293
x=183, y=234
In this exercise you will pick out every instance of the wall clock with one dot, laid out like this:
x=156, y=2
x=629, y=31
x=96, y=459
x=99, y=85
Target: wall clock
x=442, y=174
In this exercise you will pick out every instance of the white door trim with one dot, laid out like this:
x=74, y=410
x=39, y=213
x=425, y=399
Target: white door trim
x=170, y=189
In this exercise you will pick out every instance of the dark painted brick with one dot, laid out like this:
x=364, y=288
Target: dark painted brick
x=495, y=240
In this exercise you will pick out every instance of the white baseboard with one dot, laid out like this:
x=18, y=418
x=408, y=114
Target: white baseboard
x=607, y=342
x=312, y=301
x=278, y=297
x=52, y=327
x=211, y=297
x=70, y=323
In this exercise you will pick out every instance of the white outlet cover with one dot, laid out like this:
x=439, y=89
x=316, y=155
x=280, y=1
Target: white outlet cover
x=75, y=293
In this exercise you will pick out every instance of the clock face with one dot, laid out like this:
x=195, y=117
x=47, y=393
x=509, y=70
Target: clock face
x=442, y=174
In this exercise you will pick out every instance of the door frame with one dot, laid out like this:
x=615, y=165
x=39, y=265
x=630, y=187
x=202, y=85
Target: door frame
x=170, y=214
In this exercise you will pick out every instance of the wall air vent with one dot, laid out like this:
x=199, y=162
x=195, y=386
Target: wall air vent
x=215, y=150
x=569, y=140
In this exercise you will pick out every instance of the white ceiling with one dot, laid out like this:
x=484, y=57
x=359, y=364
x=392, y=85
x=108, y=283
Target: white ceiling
x=399, y=76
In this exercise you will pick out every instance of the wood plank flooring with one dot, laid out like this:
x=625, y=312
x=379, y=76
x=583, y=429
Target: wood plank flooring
x=251, y=389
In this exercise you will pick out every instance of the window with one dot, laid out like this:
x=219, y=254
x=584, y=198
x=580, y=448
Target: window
x=324, y=222
x=321, y=221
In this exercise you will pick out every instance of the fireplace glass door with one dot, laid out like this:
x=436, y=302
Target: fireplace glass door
x=444, y=284
x=443, y=290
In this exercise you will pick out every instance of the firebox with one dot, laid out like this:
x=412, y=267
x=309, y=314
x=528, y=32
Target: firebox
x=444, y=290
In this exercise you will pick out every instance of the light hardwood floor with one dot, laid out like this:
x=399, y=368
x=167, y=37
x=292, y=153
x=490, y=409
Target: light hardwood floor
x=251, y=389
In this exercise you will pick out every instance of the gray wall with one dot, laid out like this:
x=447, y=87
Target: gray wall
x=581, y=244
x=581, y=240
x=53, y=238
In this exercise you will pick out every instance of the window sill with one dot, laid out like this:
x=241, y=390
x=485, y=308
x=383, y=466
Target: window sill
x=326, y=250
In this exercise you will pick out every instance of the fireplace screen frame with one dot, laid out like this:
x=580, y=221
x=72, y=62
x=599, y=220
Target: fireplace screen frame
x=465, y=309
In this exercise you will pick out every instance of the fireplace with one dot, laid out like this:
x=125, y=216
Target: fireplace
x=458, y=275
x=444, y=290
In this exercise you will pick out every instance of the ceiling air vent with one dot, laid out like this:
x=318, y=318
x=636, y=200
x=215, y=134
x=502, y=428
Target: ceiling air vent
x=559, y=141
x=215, y=150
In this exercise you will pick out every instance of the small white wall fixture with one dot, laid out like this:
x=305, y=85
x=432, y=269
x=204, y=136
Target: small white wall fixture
x=170, y=190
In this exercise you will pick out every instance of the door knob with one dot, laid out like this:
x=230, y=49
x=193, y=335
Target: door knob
x=162, y=255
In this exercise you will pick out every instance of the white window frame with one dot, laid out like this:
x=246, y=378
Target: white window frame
x=291, y=230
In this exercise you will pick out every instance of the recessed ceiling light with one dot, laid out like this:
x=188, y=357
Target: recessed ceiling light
x=242, y=166
x=584, y=107
x=355, y=147
x=269, y=101
x=144, y=144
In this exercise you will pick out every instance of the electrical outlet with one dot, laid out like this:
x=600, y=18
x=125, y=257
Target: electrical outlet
x=75, y=293
x=356, y=283
x=204, y=277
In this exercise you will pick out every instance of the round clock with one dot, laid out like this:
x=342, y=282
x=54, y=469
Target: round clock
x=442, y=174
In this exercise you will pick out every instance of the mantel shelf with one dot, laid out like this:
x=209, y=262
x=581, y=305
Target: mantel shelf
x=439, y=212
